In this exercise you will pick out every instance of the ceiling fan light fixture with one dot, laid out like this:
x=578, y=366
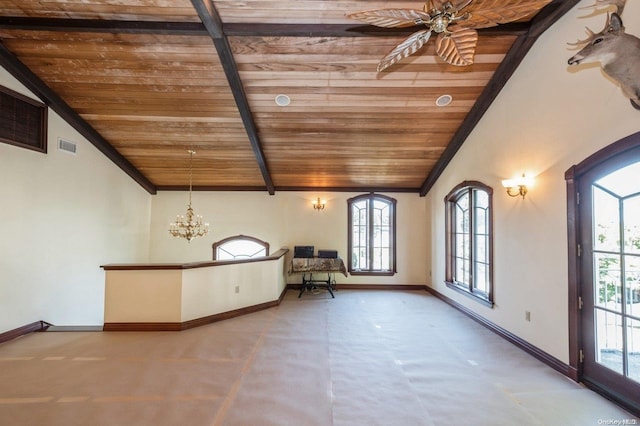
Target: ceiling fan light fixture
x=455, y=23
x=283, y=100
x=444, y=100
x=440, y=24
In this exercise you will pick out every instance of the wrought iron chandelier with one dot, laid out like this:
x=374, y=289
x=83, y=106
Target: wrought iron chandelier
x=190, y=226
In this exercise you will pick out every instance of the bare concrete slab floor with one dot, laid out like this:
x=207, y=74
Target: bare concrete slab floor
x=363, y=358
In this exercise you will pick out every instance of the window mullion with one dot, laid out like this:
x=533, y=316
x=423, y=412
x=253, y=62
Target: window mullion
x=472, y=266
x=623, y=287
x=370, y=233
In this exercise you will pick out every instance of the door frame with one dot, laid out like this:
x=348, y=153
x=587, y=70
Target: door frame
x=573, y=178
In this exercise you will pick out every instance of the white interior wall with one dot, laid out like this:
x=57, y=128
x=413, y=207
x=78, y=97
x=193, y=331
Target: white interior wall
x=212, y=290
x=63, y=216
x=546, y=119
x=286, y=219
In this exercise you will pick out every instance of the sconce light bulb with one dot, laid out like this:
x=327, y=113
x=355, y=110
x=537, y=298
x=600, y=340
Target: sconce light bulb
x=526, y=181
x=318, y=204
x=508, y=183
x=519, y=186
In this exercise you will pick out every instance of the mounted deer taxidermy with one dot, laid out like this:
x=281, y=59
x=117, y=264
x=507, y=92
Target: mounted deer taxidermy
x=455, y=22
x=618, y=54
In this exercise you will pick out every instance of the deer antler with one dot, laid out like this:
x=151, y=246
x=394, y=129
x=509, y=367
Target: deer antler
x=618, y=54
x=619, y=4
x=590, y=33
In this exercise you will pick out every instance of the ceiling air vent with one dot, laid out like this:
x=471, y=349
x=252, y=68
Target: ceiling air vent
x=67, y=146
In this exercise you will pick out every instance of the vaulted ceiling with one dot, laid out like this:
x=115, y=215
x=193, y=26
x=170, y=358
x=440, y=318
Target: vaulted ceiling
x=147, y=80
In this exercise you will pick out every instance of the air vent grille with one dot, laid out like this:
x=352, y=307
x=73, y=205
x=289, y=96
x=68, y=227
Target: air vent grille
x=67, y=146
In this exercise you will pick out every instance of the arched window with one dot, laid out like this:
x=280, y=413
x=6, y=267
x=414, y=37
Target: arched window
x=239, y=247
x=469, y=247
x=372, y=235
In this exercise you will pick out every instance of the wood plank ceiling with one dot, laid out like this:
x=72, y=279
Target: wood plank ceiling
x=145, y=80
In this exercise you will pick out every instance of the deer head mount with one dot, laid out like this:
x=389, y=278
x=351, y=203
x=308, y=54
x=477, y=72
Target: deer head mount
x=617, y=52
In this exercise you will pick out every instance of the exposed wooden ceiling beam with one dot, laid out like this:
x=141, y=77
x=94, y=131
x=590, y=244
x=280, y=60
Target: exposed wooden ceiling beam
x=32, y=82
x=102, y=26
x=547, y=16
x=362, y=189
x=210, y=17
x=346, y=30
x=229, y=30
x=212, y=22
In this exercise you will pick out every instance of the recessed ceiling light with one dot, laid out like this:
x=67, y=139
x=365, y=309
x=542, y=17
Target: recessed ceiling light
x=283, y=100
x=444, y=100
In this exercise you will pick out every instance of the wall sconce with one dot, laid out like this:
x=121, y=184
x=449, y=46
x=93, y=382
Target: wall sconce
x=319, y=204
x=519, y=186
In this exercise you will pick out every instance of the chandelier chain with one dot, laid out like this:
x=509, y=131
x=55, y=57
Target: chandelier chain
x=190, y=226
x=191, y=152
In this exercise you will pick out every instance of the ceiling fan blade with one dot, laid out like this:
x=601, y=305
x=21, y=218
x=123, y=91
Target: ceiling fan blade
x=489, y=13
x=434, y=4
x=458, y=47
x=391, y=18
x=404, y=49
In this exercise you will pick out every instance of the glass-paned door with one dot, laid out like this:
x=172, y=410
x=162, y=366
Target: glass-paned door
x=610, y=211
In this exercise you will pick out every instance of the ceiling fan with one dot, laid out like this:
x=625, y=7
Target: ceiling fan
x=454, y=21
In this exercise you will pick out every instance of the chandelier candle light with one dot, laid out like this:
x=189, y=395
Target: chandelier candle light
x=191, y=226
